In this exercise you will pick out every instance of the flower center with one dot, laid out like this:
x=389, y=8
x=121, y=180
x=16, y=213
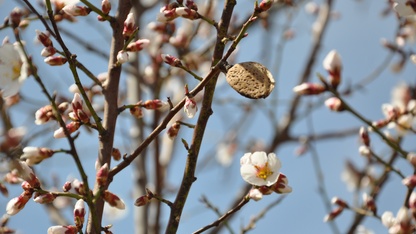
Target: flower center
x=264, y=171
x=16, y=70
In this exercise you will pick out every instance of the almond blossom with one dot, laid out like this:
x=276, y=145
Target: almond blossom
x=259, y=169
x=190, y=107
x=13, y=69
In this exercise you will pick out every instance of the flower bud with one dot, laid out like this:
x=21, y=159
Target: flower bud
x=113, y=200
x=129, y=26
x=369, y=203
x=106, y=6
x=364, y=151
x=72, y=127
x=255, y=194
x=166, y=14
x=334, y=104
x=55, y=60
x=102, y=175
x=190, y=107
x=63, y=229
x=173, y=130
x=18, y=203
x=75, y=10
x=44, y=198
x=48, y=51
x=43, y=115
x=410, y=181
x=15, y=17
x=79, y=187
x=67, y=186
x=122, y=57
x=364, y=137
x=264, y=5
x=155, y=104
x=79, y=213
x=136, y=111
x=115, y=153
x=171, y=60
x=332, y=63
x=142, y=201
x=309, y=89
x=331, y=216
x=339, y=202
x=187, y=13
x=137, y=45
x=44, y=39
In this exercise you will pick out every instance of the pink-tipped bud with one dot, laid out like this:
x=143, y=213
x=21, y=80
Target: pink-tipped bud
x=35, y=155
x=43, y=115
x=63, y=229
x=333, y=64
x=255, y=194
x=106, y=6
x=67, y=186
x=102, y=175
x=26, y=173
x=79, y=187
x=138, y=45
x=167, y=14
x=78, y=110
x=171, y=60
x=334, y=104
x=410, y=181
x=338, y=201
x=142, y=201
x=26, y=186
x=191, y=5
x=331, y=216
x=187, y=13
x=72, y=127
x=75, y=10
x=122, y=57
x=190, y=107
x=44, y=39
x=364, y=137
x=264, y=5
x=55, y=60
x=129, y=26
x=282, y=185
x=370, y=203
x=155, y=104
x=79, y=213
x=136, y=111
x=44, y=198
x=309, y=89
x=48, y=51
x=173, y=130
x=115, y=153
x=15, y=17
x=113, y=200
x=18, y=203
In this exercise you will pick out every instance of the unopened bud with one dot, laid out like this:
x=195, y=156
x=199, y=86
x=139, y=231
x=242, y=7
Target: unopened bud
x=55, y=60
x=141, y=201
x=106, y=6
x=332, y=63
x=369, y=203
x=173, y=130
x=338, y=201
x=364, y=137
x=410, y=181
x=102, y=175
x=171, y=60
x=137, y=45
x=113, y=200
x=187, y=13
x=309, y=89
x=334, y=104
x=136, y=111
x=115, y=153
x=331, y=216
x=264, y=5
x=129, y=26
x=44, y=198
x=67, y=186
x=44, y=39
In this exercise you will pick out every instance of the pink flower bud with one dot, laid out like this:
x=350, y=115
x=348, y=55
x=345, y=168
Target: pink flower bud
x=410, y=181
x=55, y=60
x=113, y=200
x=44, y=198
x=67, y=186
x=129, y=26
x=309, y=89
x=155, y=104
x=364, y=151
x=18, y=203
x=115, y=153
x=78, y=110
x=136, y=111
x=26, y=186
x=171, y=60
x=187, y=13
x=339, y=202
x=15, y=17
x=34, y=155
x=79, y=187
x=79, y=213
x=190, y=107
x=43, y=115
x=173, y=130
x=332, y=63
x=75, y=10
x=142, y=201
x=331, y=216
x=364, y=137
x=334, y=104
x=48, y=51
x=191, y=5
x=369, y=203
x=63, y=230
x=26, y=173
x=122, y=57
x=264, y=5
x=166, y=14
x=137, y=45
x=102, y=175
x=282, y=185
x=72, y=127
x=106, y=6
x=44, y=39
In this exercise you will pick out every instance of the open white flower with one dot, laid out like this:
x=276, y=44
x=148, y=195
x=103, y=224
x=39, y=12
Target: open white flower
x=260, y=169
x=13, y=69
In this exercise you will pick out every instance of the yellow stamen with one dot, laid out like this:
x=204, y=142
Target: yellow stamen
x=263, y=172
